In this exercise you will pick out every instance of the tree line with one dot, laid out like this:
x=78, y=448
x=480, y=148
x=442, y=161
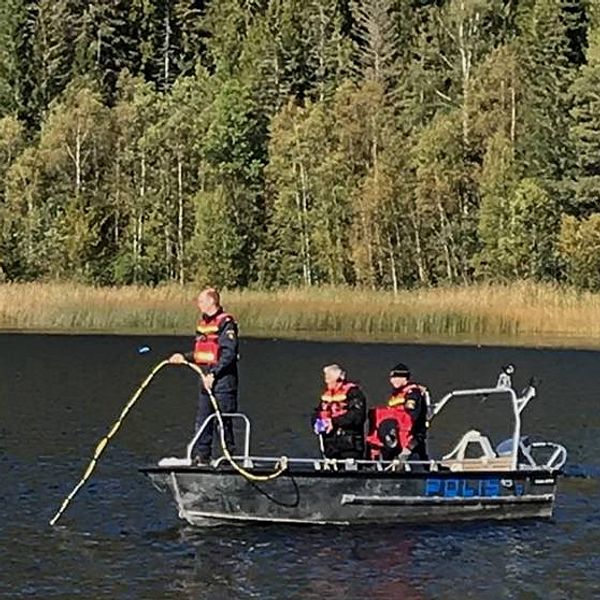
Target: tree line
x=380, y=143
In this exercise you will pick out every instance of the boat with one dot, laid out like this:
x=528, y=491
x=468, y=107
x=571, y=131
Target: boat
x=515, y=480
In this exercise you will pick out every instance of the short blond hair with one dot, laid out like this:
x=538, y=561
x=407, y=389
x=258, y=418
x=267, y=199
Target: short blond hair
x=213, y=294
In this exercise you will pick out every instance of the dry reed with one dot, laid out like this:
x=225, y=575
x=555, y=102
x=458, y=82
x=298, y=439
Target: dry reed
x=521, y=313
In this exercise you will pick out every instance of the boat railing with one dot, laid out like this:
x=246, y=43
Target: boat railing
x=331, y=464
x=503, y=387
x=555, y=461
x=209, y=421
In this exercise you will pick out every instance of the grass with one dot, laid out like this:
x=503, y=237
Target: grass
x=521, y=313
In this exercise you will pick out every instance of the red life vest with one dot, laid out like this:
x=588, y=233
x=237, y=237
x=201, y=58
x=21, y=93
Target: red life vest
x=378, y=415
x=334, y=401
x=206, y=348
x=396, y=411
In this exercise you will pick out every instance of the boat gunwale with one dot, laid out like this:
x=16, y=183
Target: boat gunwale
x=362, y=474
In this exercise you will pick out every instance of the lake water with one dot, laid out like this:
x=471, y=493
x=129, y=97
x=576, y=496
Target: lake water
x=120, y=538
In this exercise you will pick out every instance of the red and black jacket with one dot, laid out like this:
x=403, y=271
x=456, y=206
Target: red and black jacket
x=345, y=405
x=216, y=349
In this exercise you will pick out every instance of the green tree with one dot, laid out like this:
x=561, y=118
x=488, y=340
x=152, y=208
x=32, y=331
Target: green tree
x=579, y=248
x=442, y=189
x=544, y=143
x=74, y=151
x=12, y=19
x=130, y=182
x=496, y=100
x=307, y=199
x=498, y=180
x=12, y=142
x=218, y=245
x=376, y=50
x=233, y=158
x=586, y=129
x=519, y=227
x=54, y=26
x=293, y=48
x=178, y=139
x=27, y=228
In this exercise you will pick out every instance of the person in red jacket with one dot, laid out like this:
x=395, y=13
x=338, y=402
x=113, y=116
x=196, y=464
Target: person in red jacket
x=340, y=416
x=216, y=352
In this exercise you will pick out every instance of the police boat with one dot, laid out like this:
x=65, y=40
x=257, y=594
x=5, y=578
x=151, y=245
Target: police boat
x=474, y=480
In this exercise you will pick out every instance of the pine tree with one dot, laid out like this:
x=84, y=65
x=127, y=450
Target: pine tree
x=108, y=42
x=12, y=19
x=376, y=50
x=586, y=130
x=190, y=36
x=227, y=23
x=54, y=26
x=547, y=74
x=294, y=49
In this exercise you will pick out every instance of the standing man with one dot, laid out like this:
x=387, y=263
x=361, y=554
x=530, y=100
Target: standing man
x=340, y=416
x=216, y=352
x=411, y=398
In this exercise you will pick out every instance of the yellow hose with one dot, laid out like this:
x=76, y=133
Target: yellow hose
x=101, y=446
x=283, y=461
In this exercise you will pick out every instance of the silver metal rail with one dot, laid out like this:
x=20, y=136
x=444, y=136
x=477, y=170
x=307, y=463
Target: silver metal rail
x=209, y=419
x=332, y=464
x=503, y=386
x=557, y=459
x=516, y=405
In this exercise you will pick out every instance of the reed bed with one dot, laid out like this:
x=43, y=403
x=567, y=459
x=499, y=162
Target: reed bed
x=520, y=313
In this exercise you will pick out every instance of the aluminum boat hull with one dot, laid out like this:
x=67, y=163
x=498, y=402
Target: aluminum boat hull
x=205, y=495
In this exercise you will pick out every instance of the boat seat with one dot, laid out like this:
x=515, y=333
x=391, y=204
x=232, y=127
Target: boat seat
x=471, y=437
x=497, y=463
x=488, y=460
x=173, y=461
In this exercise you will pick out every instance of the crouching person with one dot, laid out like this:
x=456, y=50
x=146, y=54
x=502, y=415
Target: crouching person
x=339, y=419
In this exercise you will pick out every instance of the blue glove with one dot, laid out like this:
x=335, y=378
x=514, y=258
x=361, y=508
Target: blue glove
x=322, y=425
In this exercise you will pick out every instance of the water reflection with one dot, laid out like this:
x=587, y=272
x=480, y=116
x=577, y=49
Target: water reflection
x=298, y=562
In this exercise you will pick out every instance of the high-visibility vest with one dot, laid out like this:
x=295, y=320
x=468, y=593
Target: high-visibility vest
x=334, y=401
x=399, y=396
x=206, y=348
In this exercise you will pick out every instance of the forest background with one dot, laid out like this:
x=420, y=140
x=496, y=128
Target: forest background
x=383, y=144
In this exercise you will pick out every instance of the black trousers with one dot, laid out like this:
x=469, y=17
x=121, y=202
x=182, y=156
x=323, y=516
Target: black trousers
x=227, y=401
x=343, y=444
x=420, y=450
